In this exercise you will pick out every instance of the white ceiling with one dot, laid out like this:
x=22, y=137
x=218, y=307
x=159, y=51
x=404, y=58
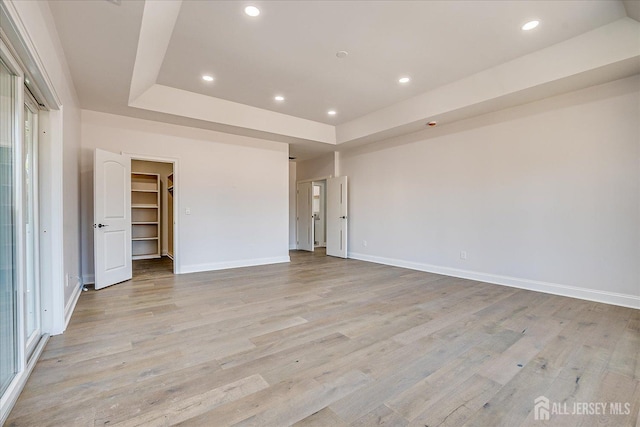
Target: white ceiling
x=290, y=49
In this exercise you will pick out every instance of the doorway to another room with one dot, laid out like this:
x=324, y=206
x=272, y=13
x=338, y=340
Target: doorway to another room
x=319, y=212
x=321, y=215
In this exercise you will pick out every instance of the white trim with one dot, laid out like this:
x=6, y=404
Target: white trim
x=88, y=279
x=71, y=305
x=293, y=247
x=15, y=388
x=624, y=300
x=195, y=268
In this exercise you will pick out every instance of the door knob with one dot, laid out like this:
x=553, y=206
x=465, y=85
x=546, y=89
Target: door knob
x=100, y=225
x=343, y=217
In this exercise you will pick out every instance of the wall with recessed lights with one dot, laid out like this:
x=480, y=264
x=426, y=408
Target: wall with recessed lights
x=233, y=187
x=544, y=196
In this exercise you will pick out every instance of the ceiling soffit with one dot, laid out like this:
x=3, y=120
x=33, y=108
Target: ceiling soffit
x=614, y=47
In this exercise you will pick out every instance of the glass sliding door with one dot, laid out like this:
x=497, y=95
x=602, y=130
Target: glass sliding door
x=31, y=288
x=8, y=268
x=20, y=329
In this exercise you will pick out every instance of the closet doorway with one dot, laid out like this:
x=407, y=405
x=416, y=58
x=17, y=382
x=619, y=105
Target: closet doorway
x=152, y=215
x=135, y=197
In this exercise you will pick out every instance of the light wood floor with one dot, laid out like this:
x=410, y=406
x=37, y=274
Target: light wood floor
x=330, y=342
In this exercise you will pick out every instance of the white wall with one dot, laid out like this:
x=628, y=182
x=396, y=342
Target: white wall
x=319, y=167
x=292, y=205
x=543, y=196
x=163, y=170
x=60, y=140
x=233, y=186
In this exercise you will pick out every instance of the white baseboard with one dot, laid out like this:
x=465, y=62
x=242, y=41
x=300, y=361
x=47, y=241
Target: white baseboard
x=614, y=298
x=71, y=305
x=88, y=279
x=293, y=247
x=195, y=268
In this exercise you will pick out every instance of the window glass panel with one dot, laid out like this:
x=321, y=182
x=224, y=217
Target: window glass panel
x=28, y=198
x=8, y=307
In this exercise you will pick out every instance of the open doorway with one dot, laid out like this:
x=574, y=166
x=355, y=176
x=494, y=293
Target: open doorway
x=321, y=215
x=152, y=217
x=319, y=210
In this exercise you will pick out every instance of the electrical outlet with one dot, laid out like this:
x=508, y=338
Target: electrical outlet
x=364, y=243
x=187, y=211
x=463, y=254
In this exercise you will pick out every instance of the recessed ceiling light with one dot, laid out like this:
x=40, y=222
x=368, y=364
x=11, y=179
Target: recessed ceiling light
x=252, y=11
x=530, y=25
x=331, y=112
x=279, y=98
x=404, y=80
x=432, y=124
x=207, y=78
x=342, y=54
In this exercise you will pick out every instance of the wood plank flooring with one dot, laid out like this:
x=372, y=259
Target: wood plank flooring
x=330, y=342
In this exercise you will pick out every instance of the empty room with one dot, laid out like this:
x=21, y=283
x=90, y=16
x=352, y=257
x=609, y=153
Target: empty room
x=319, y=213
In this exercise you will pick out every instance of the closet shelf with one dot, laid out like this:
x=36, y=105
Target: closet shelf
x=145, y=215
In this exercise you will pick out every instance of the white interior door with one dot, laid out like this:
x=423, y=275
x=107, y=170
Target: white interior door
x=337, y=216
x=112, y=218
x=304, y=212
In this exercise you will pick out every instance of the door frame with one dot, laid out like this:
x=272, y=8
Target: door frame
x=176, y=201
